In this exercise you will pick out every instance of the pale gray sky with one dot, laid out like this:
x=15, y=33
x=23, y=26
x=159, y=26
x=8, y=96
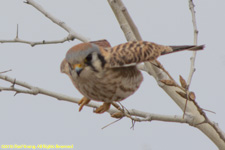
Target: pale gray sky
x=27, y=119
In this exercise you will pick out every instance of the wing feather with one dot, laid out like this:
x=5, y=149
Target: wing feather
x=134, y=52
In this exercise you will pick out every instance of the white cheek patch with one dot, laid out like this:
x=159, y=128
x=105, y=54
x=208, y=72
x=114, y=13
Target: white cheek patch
x=97, y=64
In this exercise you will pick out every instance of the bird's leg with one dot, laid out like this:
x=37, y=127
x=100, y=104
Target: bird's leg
x=83, y=102
x=103, y=108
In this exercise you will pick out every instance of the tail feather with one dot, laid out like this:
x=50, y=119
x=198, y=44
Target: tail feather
x=185, y=47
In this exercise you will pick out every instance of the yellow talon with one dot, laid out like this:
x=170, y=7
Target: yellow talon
x=103, y=108
x=83, y=102
x=117, y=115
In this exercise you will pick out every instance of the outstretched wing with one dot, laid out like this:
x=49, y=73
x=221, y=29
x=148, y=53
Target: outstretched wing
x=134, y=52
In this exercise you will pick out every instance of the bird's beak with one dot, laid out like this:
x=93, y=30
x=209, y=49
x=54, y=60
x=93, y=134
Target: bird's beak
x=78, y=68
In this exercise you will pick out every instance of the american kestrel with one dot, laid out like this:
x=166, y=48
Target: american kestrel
x=110, y=74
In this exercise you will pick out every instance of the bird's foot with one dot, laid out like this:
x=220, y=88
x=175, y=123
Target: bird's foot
x=83, y=102
x=103, y=108
x=117, y=114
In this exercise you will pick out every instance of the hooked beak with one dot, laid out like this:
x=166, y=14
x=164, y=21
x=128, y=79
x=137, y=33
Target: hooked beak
x=78, y=68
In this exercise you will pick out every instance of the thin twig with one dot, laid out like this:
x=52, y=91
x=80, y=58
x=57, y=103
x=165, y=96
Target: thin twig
x=6, y=71
x=111, y=123
x=33, y=43
x=17, y=31
x=185, y=107
x=193, y=57
x=209, y=111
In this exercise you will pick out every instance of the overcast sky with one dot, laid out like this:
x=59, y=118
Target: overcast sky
x=27, y=119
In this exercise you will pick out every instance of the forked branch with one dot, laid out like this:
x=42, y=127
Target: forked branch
x=71, y=33
x=192, y=108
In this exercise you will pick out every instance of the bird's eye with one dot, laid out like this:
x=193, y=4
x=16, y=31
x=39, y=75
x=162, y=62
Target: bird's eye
x=88, y=58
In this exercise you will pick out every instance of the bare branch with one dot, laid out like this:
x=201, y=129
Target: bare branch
x=192, y=70
x=130, y=21
x=17, y=90
x=200, y=120
x=71, y=33
x=111, y=123
x=117, y=7
x=6, y=71
x=143, y=116
x=33, y=43
x=62, y=24
x=193, y=57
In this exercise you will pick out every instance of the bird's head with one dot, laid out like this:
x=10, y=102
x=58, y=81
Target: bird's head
x=82, y=57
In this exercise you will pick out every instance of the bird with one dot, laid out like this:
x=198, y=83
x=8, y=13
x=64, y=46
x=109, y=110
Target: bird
x=110, y=74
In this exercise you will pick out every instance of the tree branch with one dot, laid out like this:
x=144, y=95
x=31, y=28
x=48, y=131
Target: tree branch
x=136, y=115
x=192, y=108
x=71, y=33
x=33, y=43
x=193, y=57
x=192, y=70
x=6, y=71
x=125, y=26
x=55, y=20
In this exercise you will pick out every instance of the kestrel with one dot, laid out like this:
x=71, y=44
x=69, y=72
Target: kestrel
x=110, y=74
